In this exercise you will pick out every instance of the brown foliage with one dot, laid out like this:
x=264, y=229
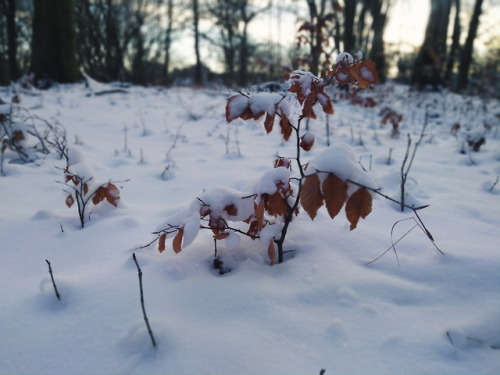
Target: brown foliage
x=335, y=194
x=311, y=196
x=177, y=242
x=359, y=205
x=161, y=242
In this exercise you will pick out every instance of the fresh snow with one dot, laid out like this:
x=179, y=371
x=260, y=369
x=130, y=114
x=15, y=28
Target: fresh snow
x=323, y=308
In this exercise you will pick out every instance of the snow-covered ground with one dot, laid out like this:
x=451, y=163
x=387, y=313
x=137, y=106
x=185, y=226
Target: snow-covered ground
x=323, y=308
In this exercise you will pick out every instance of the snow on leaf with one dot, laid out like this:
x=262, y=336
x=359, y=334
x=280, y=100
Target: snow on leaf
x=236, y=107
x=325, y=102
x=335, y=194
x=359, y=205
x=300, y=84
x=282, y=162
x=310, y=196
x=339, y=159
x=177, y=241
x=70, y=200
x=307, y=141
x=368, y=71
x=344, y=58
x=112, y=194
x=264, y=102
x=191, y=227
x=270, y=180
x=161, y=242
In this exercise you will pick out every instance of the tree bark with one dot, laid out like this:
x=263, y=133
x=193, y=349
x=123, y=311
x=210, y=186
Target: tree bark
x=198, y=77
x=466, y=58
x=349, y=16
x=455, y=43
x=53, y=42
x=430, y=60
x=12, y=39
x=377, y=52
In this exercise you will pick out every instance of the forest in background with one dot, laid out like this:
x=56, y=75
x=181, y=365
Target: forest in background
x=138, y=41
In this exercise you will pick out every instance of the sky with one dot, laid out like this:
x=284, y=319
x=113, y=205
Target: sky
x=405, y=28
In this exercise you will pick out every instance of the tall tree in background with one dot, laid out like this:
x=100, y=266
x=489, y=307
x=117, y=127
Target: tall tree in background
x=455, y=43
x=10, y=8
x=466, y=56
x=349, y=22
x=315, y=26
x=53, y=43
x=378, y=10
x=430, y=61
x=198, y=77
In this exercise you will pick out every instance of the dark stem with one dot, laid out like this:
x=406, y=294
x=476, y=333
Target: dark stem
x=139, y=271
x=53, y=282
x=404, y=174
x=494, y=184
x=291, y=209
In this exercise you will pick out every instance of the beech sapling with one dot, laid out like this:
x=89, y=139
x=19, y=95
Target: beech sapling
x=333, y=178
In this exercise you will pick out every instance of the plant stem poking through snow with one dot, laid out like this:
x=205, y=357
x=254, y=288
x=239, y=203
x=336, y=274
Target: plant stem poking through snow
x=494, y=184
x=139, y=272
x=53, y=282
x=404, y=172
x=393, y=244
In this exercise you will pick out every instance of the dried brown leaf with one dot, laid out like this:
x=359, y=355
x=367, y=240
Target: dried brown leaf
x=231, y=209
x=335, y=194
x=269, y=122
x=99, y=195
x=275, y=205
x=310, y=195
x=286, y=128
x=359, y=205
x=161, y=242
x=177, y=242
x=70, y=200
x=112, y=194
x=220, y=235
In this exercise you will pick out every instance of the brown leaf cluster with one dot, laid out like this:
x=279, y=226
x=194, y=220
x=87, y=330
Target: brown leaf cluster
x=333, y=193
x=107, y=192
x=238, y=106
x=362, y=73
x=309, y=91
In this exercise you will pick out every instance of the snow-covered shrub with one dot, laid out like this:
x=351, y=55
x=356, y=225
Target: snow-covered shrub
x=333, y=178
x=25, y=138
x=81, y=187
x=21, y=142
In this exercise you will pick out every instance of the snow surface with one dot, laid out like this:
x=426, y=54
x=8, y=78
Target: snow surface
x=323, y=308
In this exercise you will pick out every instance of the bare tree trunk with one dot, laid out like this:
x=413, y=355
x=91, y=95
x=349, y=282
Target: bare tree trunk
x=198, y=78
x=455, y=43
x=53, y=42
x=466, y=58
x=429, y=63
x=12, y=39
x=349, y=16
x=377, y=52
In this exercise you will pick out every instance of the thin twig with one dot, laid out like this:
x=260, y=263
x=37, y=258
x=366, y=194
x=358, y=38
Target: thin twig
x=53, y=282
x=494, y=184
x=139, y=271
